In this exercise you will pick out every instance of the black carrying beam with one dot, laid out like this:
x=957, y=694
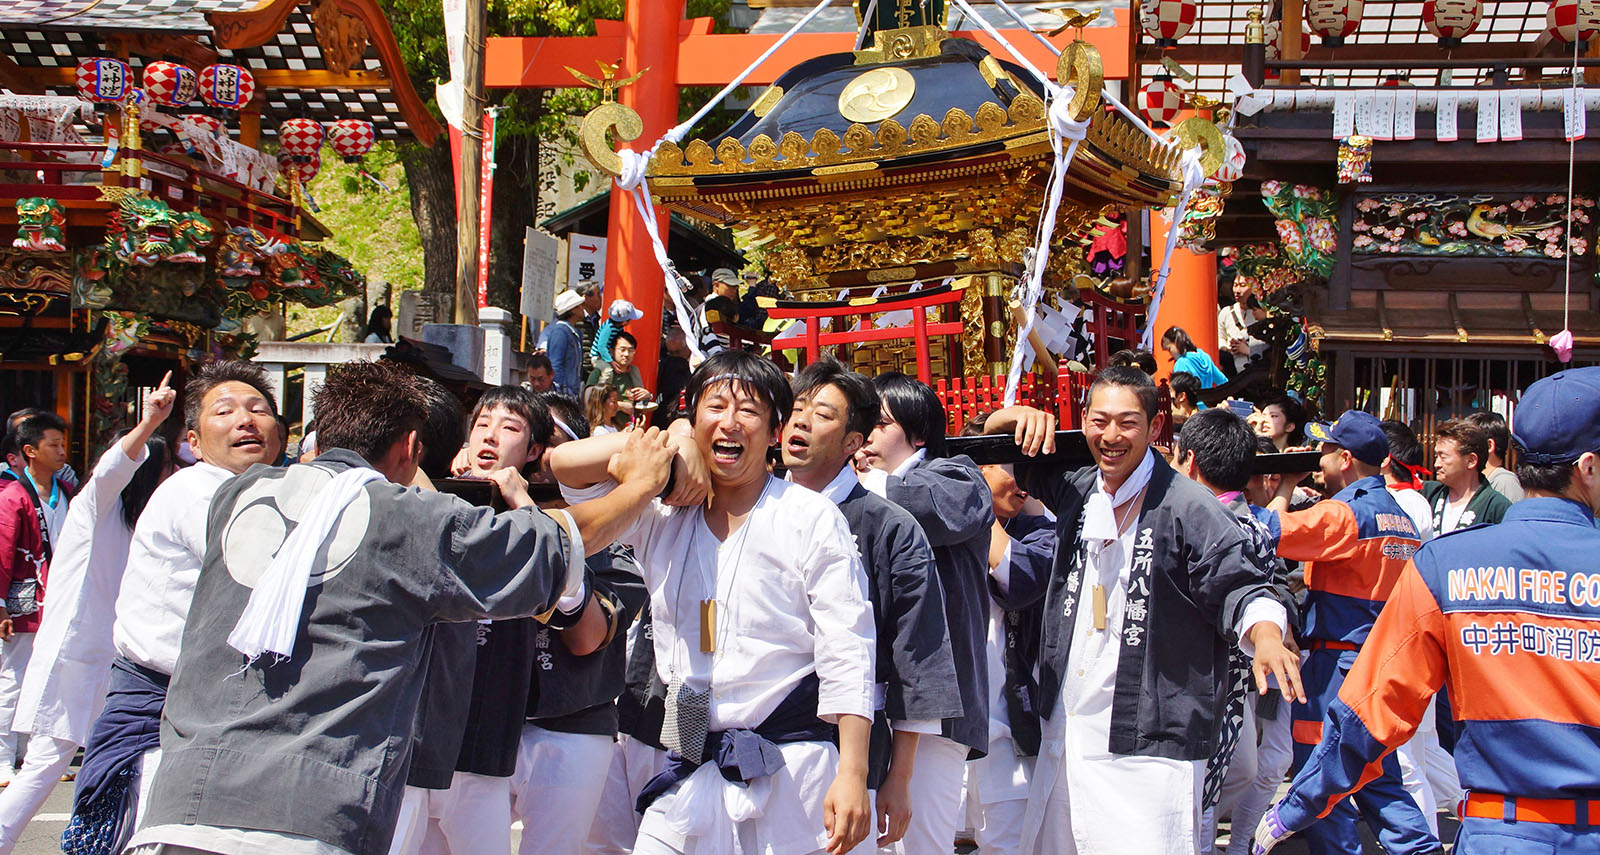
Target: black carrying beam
x=1072, y=448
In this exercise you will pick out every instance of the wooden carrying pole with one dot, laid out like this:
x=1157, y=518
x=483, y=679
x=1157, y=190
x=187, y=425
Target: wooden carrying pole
x=469, y=175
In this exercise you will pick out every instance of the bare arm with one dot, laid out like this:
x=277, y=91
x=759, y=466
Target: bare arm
x=587, y=462
x=1034, y=430
x=157, y=406
x=894, y=795
x=846, y=813
x=590, y=632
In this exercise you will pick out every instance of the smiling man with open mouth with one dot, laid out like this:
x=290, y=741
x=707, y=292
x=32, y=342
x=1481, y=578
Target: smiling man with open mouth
x=762, y=630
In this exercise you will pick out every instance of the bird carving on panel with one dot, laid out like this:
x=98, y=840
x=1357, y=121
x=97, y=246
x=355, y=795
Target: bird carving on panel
x=1480, y=225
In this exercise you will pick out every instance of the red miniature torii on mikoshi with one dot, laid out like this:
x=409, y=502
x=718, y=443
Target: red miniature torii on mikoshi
x=653, y=35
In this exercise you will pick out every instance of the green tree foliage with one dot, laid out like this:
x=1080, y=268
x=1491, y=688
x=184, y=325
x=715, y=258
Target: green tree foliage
x=531, y=118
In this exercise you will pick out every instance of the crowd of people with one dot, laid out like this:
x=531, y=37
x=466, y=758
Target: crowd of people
x=793, y=621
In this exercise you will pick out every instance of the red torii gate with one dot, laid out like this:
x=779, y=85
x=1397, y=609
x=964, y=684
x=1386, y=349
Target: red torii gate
x=644, y=39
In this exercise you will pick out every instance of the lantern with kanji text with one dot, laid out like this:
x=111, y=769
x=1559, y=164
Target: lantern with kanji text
x=1333, y=19
x=351, y=138
x=229, y=87
x=170, y=84
x=1451, y=20
x=103, y=81
x=1166, y=21
x=1572, y=20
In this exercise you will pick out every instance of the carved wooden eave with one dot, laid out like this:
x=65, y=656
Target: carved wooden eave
x=256, y=27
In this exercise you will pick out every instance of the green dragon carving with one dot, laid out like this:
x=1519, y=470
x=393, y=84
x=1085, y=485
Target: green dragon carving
x=191, y=232
x=140, y=230
x=39, y=224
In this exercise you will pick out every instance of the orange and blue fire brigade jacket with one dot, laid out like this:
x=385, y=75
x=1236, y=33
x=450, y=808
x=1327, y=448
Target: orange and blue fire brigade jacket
x=1354, y=546
x=1508, y=618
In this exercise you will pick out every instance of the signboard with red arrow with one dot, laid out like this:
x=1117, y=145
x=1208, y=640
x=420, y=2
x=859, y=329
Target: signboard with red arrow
x=586, y=259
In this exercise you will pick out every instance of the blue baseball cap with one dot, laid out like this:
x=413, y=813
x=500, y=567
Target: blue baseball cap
x=1360, y=433
x=1558, y=418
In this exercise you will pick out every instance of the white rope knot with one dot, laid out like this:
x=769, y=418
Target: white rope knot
x=1061, y=120
x=1194, y=174
x=634, y=167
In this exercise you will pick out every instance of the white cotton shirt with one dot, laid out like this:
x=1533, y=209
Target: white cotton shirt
x=1110, y=796
x=1416, y=507
x=63, y=700
x=169, y=547
x=791, y=600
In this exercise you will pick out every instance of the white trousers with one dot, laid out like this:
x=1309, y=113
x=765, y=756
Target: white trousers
x=1109, y=804
x=557, y=787
x=47, y=758
x=473, y=817
x=14, y=656
x=1273, y=744
x=616, y=823
x=1433, y=766
x=941, y=768
x=997, y=798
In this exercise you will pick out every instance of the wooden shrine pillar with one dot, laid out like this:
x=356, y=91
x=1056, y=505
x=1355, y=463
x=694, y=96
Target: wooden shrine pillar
x=632, y=273
x=996, y=360
x=1190, y=299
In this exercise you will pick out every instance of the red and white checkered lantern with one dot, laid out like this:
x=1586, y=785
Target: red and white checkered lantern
x=1451, y=20
x=103, y=81
x=1333, y=19
x=1573, y=20
x=352, y=138
x=1166, y=21
x=205, y=124
x=1232, y=168
x=1161, y=100
x=300, y=139
x=170, y=84
x=227, y=86
x=305, y=170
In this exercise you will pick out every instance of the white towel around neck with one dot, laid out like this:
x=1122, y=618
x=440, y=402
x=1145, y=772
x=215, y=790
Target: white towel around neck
x=271, y=620
x=1099, y=513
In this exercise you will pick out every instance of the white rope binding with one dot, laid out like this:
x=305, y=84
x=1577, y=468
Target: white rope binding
x=1194, y=175
x=635, y=181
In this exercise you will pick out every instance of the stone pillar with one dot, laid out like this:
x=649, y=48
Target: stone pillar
x=464, y=341
x=499, y=345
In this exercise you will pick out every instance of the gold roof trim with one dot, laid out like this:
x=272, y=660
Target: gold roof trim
x=1110, y=133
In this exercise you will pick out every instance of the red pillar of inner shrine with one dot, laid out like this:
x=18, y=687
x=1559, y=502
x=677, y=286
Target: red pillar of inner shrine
x=632, y=272
x=1190, y=299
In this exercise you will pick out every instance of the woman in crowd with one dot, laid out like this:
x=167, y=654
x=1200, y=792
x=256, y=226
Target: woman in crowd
x=600, y=404
x=378, y=326
x=1187, y=357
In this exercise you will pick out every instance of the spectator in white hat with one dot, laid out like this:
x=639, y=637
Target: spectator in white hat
x=562, y=343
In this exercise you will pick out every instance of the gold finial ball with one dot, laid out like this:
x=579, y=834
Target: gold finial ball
x=1255, y=32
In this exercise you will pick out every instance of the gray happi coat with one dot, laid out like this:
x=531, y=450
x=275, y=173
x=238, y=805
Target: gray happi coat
x=318, y=745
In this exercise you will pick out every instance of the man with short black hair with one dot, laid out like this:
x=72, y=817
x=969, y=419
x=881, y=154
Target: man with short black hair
x=33, y=509
x=1461, y=495
x=231, y=418
x=458, y=791
x=1501, y=478
x=1355, y=545
x=835, y=410
x=300, y=671
x=762, y=631
x=1152, y=585
x=948, y=496
x=1217, y=450
x=541, y=374
x=1495, y=614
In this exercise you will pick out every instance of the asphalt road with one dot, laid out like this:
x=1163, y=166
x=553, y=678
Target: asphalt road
x=43, y=835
